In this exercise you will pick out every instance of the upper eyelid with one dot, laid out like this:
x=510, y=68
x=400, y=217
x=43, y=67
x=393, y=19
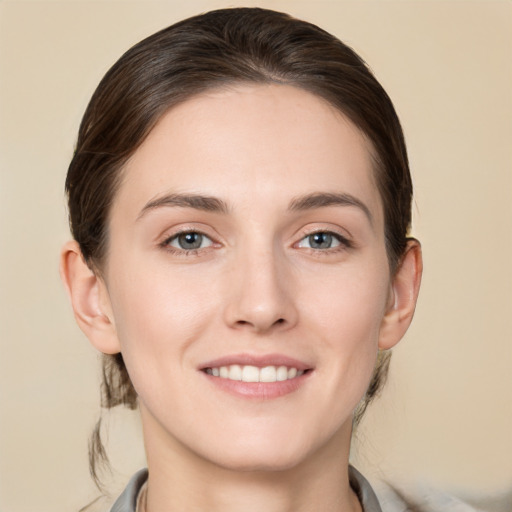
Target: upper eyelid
x=174, y=231
x=185, y=231
x=341, y=238
x=188, y=231
x=343, y=233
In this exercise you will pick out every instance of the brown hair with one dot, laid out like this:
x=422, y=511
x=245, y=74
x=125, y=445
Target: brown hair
x=222, y=47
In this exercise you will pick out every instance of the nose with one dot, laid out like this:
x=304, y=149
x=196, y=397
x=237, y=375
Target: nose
x=261, y=297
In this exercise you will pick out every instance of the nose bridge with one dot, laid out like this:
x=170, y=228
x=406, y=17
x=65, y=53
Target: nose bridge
x=261, y=297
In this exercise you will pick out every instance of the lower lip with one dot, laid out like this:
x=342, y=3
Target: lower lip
x=258, y=390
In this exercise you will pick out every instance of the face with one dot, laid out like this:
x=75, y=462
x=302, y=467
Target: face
x=247, y=277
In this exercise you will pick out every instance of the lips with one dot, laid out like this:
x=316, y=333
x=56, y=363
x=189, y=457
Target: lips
x=254, y=376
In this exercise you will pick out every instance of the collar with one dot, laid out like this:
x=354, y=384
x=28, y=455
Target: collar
x=127, y=502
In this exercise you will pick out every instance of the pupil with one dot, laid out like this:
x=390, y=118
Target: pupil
x=190, y=240
x=320, y=240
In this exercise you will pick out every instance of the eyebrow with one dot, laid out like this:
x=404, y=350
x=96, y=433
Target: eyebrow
x=324, y=199
x=216, y=205
x=196, y=201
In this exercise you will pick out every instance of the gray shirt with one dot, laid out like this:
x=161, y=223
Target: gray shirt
x=127, y=502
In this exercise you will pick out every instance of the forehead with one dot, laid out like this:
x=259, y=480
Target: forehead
x=265, y=141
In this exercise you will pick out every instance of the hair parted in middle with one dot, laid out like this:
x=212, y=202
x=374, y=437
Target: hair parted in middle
x=211, y=51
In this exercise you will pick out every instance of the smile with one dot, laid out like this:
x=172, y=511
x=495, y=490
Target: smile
x=249, y=373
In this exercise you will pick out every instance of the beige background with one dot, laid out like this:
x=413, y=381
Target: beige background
x=446, y=416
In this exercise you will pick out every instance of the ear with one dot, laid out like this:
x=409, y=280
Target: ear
x=89, y=299
x=405, y=286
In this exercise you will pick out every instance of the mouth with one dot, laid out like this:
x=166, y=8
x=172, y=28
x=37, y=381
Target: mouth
x=250, y=373
x=257, y=377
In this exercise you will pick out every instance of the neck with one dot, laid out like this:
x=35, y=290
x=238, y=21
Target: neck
x=180, y=480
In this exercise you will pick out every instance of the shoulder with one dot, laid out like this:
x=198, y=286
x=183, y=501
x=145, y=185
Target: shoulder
x=127, y=502
x=364, y=491
x=391, y=498
x=386, y=499
x=420, y=499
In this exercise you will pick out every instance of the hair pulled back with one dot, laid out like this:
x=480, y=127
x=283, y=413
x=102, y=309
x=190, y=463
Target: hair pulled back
x=241, y=45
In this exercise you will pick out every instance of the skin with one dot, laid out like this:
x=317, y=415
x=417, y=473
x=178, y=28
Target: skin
x=258, y=285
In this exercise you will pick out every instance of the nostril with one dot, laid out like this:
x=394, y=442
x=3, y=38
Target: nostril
x=259, y=325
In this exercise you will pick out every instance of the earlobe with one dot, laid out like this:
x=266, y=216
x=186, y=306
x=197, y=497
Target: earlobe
x=89, y=299
x=403, y=296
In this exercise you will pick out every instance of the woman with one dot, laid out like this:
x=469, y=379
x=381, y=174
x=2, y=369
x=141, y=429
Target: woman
x=240, y=201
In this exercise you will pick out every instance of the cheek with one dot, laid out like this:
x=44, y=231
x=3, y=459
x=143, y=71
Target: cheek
x=158, y=315
x=351, y=300
x=348, y=316
x=150, y=297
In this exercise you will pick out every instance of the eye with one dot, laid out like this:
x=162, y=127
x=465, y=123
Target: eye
x=189, y=241
x=323, y=240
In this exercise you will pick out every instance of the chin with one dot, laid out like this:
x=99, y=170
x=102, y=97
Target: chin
x=265, y=452
x=250, y=462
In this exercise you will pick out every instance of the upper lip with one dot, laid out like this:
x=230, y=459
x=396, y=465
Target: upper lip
x=256, y=360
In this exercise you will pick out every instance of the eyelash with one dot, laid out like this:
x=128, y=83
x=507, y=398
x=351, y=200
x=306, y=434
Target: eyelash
x=343, y=242
x=166, y=244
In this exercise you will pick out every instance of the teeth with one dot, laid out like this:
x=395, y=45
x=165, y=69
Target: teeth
x=235, y=372
x=250, y=373
x=268, y=374
x=282, y=373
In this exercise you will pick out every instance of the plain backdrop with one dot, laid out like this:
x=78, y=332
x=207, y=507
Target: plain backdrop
x=445, y=417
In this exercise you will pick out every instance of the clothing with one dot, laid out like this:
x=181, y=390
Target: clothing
x=127, y=502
